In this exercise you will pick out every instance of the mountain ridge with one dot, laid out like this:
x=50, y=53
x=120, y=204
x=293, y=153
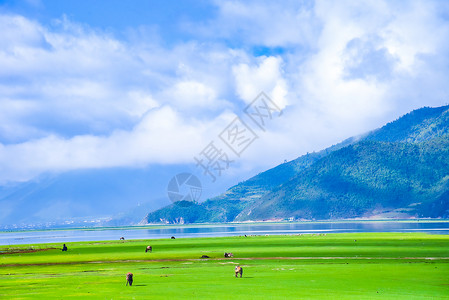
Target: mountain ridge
x=427, y=128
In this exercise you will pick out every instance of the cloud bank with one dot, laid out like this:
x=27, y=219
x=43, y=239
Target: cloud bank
x=73, y=96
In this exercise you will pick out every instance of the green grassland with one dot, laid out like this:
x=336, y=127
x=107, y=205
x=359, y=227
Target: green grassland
x=332, y=266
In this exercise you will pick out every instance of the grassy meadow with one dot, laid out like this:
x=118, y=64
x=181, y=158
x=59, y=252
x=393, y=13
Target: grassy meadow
x=332, y=266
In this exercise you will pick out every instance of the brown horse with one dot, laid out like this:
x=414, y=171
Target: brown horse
x=149, y=248
x=238, y=270
x=129, y=279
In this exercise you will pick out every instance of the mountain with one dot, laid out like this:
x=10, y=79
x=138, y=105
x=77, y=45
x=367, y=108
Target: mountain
x=363, y=180
x=91, y=197
x=82, y=196
x=417, y=126
x=399, y=170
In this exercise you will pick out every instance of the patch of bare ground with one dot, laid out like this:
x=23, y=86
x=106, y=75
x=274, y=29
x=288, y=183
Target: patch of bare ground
x=23, y=250
x=220, y=259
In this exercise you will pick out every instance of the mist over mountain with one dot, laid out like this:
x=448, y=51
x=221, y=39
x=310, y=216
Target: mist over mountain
x=83, y=195
x=91, y=197
x=398, y=171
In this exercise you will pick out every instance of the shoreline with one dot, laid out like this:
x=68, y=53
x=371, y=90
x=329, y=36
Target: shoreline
x=228, y=224
x=221, y=230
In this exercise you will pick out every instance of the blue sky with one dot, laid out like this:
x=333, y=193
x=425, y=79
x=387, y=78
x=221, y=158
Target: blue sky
x=165, y=17
x=106, y=84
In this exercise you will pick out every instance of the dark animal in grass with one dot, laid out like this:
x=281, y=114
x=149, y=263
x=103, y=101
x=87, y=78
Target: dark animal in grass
x=238, y=270
x=172, y=237
x=205, y=256
x=129, y=279
x=64, y=247
x=228, y=254
x=122, y=238
x=149, y=248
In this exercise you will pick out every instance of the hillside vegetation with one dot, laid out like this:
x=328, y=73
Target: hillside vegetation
x=398, y=171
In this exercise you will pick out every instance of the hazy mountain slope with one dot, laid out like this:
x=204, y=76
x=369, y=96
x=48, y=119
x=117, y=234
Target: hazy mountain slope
x=264, y=182
x=415, y=126
x=363, y=179
x=226, y=207
x=87, y=194
x=398, y=140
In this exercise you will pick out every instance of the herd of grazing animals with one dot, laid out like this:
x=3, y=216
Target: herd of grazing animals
x=238, y=269
x=129, y=276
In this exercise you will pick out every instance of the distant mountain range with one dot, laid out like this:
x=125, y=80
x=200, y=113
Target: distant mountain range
x=398, y=171
x=85, y=197
x=89, y=197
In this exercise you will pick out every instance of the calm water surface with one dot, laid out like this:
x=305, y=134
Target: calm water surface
x=62, y=236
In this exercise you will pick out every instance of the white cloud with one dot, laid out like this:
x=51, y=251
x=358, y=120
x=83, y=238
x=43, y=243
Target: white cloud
x=190, y=95
x=76, y=97
x=262, y=23
x=163, y=136
x=325, y=105
x=365, y=102
x=415, y=30
x=264, y=77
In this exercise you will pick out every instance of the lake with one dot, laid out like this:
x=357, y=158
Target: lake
x=217, y=230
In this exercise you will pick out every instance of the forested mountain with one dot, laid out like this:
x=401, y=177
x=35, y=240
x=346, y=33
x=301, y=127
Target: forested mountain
x=399, y=170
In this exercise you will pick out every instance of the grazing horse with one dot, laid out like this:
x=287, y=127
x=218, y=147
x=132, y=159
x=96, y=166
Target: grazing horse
x=129, y=279
x=122, y=238
x=238, y=270
x=228, y=254
x=149, y=248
